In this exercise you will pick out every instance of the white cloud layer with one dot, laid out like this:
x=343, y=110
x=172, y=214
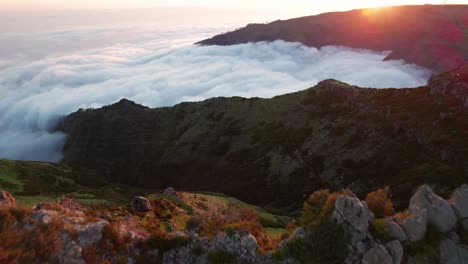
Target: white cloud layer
x=162, y=70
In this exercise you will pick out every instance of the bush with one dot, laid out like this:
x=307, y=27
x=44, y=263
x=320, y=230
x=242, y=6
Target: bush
x=164, y=243
x=318, y=206
x=379, y=203
x=323, y=243
x=221, y=257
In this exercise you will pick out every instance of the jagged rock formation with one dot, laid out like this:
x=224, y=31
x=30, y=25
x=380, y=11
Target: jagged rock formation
x=431, y=36
x=277, y=150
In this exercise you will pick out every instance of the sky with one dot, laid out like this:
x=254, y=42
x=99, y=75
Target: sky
x=308, y=5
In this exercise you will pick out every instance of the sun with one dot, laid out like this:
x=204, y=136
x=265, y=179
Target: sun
x=383, y=3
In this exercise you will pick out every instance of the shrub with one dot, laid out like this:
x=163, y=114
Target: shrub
x=164, y=243
x=400, y=216
x=379, y=202
x=426, y=250
x=221, y=257
x=318, y=206
x=323, y=243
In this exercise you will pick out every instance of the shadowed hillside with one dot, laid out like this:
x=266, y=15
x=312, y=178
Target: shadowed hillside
x=274, y=151
x=431, y=36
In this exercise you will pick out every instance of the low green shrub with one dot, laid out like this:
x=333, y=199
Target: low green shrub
x=221, y=257
x=324, y=243
x=380, y=230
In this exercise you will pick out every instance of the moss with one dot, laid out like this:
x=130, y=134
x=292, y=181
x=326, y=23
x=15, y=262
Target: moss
x=164, y=244
x=380, y=230
x=221, y=257
x=323, y=243
x=426, y=249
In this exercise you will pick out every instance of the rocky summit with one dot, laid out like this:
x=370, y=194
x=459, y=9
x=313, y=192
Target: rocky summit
x=275, y=151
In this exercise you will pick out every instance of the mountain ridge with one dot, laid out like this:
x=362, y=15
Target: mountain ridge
x=283, y=147
x=432, y=36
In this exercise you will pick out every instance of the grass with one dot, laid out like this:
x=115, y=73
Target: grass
x=275, y=233
x=266, y=219
x=30, y=201
x=9, y=180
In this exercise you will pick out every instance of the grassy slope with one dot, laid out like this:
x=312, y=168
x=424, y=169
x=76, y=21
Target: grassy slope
x=32, y=182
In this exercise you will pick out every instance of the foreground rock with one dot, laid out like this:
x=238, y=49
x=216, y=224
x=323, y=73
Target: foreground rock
x=354, y=216
x=459, y=201
x=141, y=204
x=426, y=208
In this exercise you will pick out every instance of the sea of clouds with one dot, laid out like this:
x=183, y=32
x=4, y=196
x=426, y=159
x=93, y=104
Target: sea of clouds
x=160, y=68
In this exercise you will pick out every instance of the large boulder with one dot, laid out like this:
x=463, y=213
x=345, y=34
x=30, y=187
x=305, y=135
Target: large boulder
x=70, y=252
x=90, y=233
x=141, y=204
x=395, y=249
x=241, y=244
x=45, y=216
x=395, y=231
x=459, y=201
x=6, y=199
x=427, y=208
x=452, y=252
x=377, y=255
x=354, y=217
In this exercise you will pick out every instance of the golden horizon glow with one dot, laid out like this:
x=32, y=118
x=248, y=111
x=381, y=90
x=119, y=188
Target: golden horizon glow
x=329, y=5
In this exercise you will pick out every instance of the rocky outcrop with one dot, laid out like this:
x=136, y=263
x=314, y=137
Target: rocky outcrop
x=451, y=251
x=459, y=202
x=395, y=231
x=141, y=204
x=427, y=208
x=395, y=249
x=242, y=245
x=377, y=255
x=354, y=216
x=6, y=199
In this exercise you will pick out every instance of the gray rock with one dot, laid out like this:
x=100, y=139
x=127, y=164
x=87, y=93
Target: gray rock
x=459, y=201
x=241, y=244
x=44, y=216
x=90, y=233
x=395, y=231
x=377, y=255
x=70, y=252
x=415, y=225
x=354, y=216
x=395, y=249
x=427, y=208
x=451, y=252
x=6, y=199
x=170, y=191
x=141, y=204
x=298, y=233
